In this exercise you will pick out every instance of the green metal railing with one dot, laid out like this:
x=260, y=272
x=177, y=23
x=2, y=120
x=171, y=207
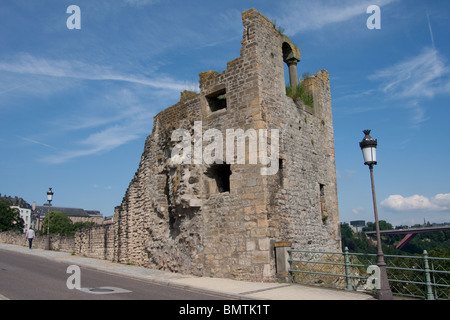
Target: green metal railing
x=417, y=276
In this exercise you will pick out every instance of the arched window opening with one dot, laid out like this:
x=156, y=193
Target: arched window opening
x=291, y=56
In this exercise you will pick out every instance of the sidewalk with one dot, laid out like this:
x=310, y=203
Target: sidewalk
x=227, y=288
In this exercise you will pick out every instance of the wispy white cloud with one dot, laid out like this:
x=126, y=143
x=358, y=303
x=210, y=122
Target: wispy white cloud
x=29, y=64
x=96, y=143
x=417, y=112
x=424, y=75
x=13, y=88
x=100, y=126
x=440, y=202
x=37, y=142
x=141, y=3
x=126, y=111
x=99, y=142
x=414, y=80
x=358, y=210
x=348, y=174
x=431, y=30
x=305, y=16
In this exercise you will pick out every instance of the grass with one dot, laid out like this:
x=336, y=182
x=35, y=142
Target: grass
x=279, y=28
x=300, y=93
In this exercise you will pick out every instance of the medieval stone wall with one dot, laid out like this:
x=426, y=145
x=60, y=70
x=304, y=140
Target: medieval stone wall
x=93, y=242
x=221, y=219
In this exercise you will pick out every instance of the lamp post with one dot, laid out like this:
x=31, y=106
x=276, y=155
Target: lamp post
x=49, y=199
x=369, y=147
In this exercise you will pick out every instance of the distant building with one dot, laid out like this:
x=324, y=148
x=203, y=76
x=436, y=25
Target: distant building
x=24, y=209
x=74, y=214
x=33, y=215
x=108, y=220
x=357, y=225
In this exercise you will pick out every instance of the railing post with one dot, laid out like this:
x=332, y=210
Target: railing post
x=282, y=259
x=429, y=294
x=347, y=270
x=291, y=275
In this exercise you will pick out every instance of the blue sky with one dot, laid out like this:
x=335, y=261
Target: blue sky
x=77, y=105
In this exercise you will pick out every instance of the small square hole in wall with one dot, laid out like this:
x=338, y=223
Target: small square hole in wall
x=221, y=174
x=217, y=100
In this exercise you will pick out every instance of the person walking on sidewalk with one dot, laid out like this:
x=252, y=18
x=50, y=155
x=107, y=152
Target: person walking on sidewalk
x=30, y=236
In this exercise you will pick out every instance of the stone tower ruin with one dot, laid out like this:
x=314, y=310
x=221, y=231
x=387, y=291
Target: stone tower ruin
x=223, y=217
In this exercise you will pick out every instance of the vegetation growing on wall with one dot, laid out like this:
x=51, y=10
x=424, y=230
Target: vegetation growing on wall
x=300, y=93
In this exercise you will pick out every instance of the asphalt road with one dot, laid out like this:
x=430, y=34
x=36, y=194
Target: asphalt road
x=26, y=277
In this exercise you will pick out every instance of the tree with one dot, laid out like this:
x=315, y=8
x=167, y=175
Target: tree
x=10, y=218
x=59, y=223
x=370, y=226
x=355, y=242
x=347, y=237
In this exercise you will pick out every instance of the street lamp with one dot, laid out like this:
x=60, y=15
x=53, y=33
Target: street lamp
x=369, y=147
x=49, y=199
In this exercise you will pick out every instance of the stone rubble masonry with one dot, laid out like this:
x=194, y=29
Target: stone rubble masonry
x=174, y=217
x=94, y=242
x=182, y=218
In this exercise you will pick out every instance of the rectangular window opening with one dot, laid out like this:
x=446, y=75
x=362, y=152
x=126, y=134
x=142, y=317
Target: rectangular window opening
x=280, y=171
x=323, y=203
x=217, y=100
x=221, y=174
x=322, y=189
